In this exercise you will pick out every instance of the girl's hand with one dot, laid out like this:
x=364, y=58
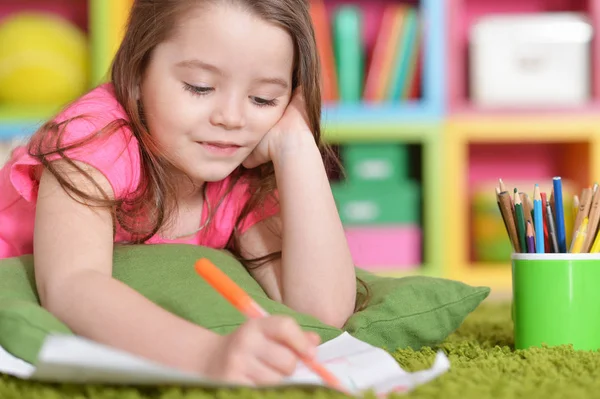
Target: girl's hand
x=294, y=121
x=261, y=351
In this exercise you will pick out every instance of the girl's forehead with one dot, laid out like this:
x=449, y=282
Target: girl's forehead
x=232, y=37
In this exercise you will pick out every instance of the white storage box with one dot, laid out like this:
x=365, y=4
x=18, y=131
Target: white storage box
x=530, y=60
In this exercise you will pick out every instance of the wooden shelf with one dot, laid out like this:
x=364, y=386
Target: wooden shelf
x=523, y=128
x=379, y=113
x=497, y=277
x=467, y=110
x=414, y=132
x=419, y=270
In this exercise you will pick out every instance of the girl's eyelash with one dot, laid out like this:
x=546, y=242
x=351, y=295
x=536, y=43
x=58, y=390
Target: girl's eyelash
x=202, y=91
x=197, y=90
x=261, y=102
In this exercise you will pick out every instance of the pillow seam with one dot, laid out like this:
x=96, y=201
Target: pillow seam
x=12, y=317
x=417, y=314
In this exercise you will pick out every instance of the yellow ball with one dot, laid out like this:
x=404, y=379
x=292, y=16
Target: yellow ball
x=43, y=60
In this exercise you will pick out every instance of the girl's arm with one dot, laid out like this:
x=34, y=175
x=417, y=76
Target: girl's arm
x=316, y=273
x=73, y=246
x=73, y=263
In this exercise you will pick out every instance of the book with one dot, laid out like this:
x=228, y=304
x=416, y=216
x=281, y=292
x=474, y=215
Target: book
x=383, y=52
x=323, y=38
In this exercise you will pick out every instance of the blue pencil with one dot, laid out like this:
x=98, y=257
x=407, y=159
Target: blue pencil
x=559, y=214
x=538, y=220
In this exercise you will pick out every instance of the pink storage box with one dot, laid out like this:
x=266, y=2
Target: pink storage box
x=385, y=247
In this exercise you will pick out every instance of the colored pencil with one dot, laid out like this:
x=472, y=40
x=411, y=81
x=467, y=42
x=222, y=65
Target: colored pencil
x=527, y=209
x=507, y=211
x=584, y=208
x=248, y=307
x=579, y=237
x=551, y=228
x=538, y=219
x=530, y=238
x=575, y=206
x=520, y=221
x=498, y=192
x=559, y=214
x=502, y=186
x=547, y=243
x=594, y=220
x=596, y=246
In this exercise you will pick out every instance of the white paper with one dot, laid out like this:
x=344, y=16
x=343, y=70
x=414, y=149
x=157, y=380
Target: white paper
x=14, y=366
x=358, y=365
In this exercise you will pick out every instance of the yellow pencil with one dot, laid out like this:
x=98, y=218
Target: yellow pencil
x=575, y=207
x=580, y=237
x=596, y=246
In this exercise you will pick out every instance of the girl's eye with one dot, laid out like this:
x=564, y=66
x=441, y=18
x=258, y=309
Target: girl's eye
x=261, y=102
x=197, y=90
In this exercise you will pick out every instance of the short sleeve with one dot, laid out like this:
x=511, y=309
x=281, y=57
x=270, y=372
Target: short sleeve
x=100, y=138
x=265, y=210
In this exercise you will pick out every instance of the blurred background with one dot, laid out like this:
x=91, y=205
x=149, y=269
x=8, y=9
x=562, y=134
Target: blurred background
x=428, y=103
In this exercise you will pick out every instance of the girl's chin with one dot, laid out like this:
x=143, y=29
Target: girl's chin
x=212, y=173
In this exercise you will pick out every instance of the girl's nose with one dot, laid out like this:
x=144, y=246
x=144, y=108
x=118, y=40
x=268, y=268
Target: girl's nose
x=229, y=113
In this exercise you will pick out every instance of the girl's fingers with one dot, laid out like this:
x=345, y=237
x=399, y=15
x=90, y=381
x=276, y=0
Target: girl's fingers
x=313, y=337
x=261, y=373
x=287, y=332
x=279, y=358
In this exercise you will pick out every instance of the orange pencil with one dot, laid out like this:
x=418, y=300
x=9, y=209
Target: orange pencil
x=248, y=307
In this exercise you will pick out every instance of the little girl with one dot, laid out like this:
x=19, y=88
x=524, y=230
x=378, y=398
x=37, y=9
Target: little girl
x=211, y=106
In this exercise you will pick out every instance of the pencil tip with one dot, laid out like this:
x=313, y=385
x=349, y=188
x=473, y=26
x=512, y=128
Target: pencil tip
x=529, y=231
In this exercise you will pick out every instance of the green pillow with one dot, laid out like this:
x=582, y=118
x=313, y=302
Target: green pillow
x=411, y=311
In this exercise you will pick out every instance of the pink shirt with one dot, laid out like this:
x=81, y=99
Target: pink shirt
x=117, y=157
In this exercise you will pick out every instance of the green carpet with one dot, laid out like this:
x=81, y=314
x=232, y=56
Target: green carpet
x=483, y=365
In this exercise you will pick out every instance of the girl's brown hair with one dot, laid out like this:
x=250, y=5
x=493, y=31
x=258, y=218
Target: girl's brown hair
x=151, y=22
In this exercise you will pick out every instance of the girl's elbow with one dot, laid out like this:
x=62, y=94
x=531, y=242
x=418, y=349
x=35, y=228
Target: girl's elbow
x=336, y=316
x=335, y=320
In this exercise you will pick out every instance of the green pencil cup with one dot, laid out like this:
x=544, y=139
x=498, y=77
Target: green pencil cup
x=556, y=300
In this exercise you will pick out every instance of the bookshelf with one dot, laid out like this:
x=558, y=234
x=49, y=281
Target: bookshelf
x=459, y=143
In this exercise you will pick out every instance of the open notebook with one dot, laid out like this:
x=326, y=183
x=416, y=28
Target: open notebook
x=358, y=365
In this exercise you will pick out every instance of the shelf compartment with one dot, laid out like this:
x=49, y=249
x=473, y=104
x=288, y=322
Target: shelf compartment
x=579, y=159
x=462, y=14
x=429, y=105
x=385, y=248
x=520, y=165
x=424, y=169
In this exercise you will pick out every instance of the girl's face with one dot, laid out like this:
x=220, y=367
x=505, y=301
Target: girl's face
x=212, y=91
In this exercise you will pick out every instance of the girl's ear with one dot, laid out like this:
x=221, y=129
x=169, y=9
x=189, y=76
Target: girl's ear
x=137, y=91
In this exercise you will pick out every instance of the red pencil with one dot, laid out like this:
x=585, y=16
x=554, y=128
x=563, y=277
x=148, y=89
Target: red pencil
x=547, y=243
x=248, y=307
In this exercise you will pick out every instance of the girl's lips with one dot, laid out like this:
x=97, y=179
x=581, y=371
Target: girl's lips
x=220, y=148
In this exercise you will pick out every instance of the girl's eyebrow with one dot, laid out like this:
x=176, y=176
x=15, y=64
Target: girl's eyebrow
x=274, y=81
x=197, y=64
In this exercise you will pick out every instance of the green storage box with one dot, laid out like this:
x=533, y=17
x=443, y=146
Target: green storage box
x=377, y=204
x=376, y=163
